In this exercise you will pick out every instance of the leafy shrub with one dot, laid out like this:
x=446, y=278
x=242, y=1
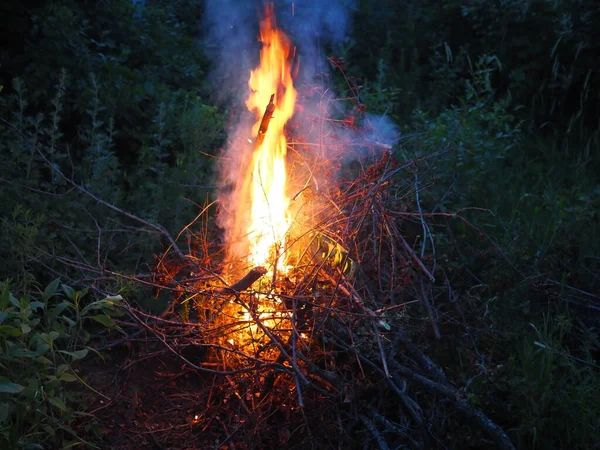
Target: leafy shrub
x=547, y=48
x=479, y=136
x=41, y=339
x=171, y=175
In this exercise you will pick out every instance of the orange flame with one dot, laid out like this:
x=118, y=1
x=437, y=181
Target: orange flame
x=270, y=84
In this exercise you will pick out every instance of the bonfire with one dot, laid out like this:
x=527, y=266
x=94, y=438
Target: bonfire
x=296, y=324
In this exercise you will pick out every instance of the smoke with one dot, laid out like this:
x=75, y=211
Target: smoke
x=311, y=18
x=381, y=130
x=231, y=27
x=315, y=25
x=231, y=30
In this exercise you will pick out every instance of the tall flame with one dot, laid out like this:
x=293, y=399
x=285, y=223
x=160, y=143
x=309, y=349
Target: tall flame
x=271, y=86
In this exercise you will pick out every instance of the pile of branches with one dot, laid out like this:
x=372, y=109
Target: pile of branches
x=324, y=351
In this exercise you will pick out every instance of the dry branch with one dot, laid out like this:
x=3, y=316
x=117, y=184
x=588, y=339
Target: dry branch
x=467, y=410
x=369, y=425
x=479, y=418
x=245, y=282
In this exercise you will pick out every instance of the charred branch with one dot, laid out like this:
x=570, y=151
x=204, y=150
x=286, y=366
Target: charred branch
x=249, y=279
x=264, y=123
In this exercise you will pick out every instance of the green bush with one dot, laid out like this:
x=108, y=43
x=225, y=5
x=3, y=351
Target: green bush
x=479, y=137
x=42, y=338
x=547, y=48
x=170, y=177
x=543, y=203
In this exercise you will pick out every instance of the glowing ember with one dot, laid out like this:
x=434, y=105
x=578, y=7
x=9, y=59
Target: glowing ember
x=270, y=84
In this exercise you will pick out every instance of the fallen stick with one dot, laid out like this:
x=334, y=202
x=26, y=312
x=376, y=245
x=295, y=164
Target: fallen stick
x=479, y=419
x=416, y=260
x=369, y=425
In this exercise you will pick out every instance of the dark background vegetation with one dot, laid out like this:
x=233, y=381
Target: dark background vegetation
x=117, y=94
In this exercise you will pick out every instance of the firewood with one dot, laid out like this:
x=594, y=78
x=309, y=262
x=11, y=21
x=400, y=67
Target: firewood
x=245, y=282
x=264, y=123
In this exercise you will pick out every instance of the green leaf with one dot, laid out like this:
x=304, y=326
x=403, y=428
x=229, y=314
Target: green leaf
x=104, y=304
x=62, y=369
x=41, y=348
x=98, y=354
x=33, y=446
x=48, y=338
x=51, y=289
x=78, y=354
x=118, y=312
x=56, y=401
x=25, y=328
x=8, y=387
x=44, y=360
x=23, y=353
x=69, y=321
x=68, y=377
x=55, y=312
x=69, y=291
x=3, y=316
x=8, y=330
x=104, y=320
x=14, y=301
x=36, y=305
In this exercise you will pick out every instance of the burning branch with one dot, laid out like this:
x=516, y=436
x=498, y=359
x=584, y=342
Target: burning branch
x=264, y=123
x=245, y=282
